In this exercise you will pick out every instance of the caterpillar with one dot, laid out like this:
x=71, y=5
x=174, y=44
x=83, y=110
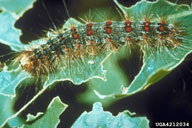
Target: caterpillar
x=80, y=44
x=94, y=38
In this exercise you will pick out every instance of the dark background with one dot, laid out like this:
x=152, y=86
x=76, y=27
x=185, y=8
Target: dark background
x=168, y=100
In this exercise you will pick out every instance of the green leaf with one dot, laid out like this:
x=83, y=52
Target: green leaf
x=16, y=7
x=7, y=110
x=49, y=119
x=158, y=63
x=32, y=117
x=9, y=80
x=116, y=80
x=98, y=118
x=12, y=11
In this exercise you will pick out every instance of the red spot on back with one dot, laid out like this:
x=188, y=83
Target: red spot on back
x=89, y=24
x=108, y=23
x=109, y=30
x=90, y=32
x=162, y=22
x=75, y=36
x=128, y=29
x=128, y=23
x=73, y=29
x=161, y=28
x=147, y=23
x=146, y=28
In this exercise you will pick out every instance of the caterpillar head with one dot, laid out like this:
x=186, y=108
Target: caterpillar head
x=27, y=61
